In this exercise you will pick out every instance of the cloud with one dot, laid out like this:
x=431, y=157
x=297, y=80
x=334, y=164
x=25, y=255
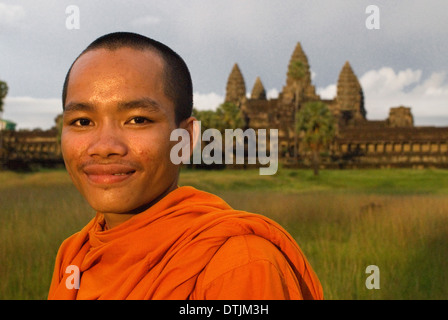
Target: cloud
x=329, y=92
x=385, y=88
x=387, y=82
x=272, y=93
x=145, y=21
x=207, y=101
x=212, y=100
x=31, y=113
x=10, y=14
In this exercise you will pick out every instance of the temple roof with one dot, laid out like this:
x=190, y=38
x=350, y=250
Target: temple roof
x=236, y=87
x=347, y=77
x=299, y=56
x=349, y=91
x=258, y=91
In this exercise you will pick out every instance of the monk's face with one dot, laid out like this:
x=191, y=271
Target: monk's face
x=116, y=130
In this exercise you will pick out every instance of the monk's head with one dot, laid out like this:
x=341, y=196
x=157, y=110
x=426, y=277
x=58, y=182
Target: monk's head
x=122, y=98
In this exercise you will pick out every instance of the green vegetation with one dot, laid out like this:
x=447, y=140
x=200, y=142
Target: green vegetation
x=227, y=116
x=38, y=210
x=317, y=126
x=3, y=93
x=344, y=221
x=384, y=181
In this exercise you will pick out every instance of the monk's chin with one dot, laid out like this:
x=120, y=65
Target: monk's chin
x=119, y=205
x=112, y=204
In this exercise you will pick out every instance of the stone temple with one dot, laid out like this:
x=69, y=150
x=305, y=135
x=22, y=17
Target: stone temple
x=359, y=142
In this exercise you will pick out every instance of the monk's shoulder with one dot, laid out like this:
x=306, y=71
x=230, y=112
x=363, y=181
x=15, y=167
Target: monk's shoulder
x=242, y=251
x=72, y=243
x=68, y=242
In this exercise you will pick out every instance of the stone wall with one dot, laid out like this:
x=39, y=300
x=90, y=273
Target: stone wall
x=392, y=147
x=21, y=149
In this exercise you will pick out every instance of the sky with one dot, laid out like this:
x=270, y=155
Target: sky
x=404, y=62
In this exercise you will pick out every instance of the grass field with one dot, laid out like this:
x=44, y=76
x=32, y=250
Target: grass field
x=344, y=221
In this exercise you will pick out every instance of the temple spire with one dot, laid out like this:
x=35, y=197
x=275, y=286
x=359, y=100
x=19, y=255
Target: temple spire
x=299, y=58
x=350, y=96
x=258, y=91
x=236, y=88
x=299, y=87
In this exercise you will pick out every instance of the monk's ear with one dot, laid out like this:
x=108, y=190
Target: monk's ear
x=191, y=124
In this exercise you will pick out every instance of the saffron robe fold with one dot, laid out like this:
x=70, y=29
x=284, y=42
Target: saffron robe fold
x=189, y=245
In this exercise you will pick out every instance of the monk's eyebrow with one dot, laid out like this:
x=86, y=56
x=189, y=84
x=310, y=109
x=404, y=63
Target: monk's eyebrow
x=145, y=103
x=76, y=106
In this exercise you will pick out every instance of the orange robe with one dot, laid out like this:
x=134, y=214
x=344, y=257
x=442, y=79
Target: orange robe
x=189, y=245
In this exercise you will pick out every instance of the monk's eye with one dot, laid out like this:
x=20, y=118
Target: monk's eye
x=83, y=122
x=139, y=120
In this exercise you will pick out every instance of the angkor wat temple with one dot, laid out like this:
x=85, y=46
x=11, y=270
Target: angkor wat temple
x=359, y=142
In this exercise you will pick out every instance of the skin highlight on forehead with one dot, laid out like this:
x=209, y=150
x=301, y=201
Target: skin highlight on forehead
x=84, y=64
x=108, y=80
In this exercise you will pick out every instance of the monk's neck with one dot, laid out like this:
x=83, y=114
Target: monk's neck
x=114, y=219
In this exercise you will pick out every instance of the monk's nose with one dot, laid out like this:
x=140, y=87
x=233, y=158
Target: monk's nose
x=107, y=142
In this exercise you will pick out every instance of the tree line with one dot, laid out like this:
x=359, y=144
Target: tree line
x=3, y=93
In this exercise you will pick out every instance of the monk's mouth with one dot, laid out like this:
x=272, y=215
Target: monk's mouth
x=108, y=179
x=108, y=173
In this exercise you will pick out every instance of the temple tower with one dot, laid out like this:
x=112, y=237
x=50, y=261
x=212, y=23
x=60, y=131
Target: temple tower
x=236, y=88
x=258, y=91
x=299, y=56
x=298, y=74
x=350, y=97
x=297, y=91
x=400, y=117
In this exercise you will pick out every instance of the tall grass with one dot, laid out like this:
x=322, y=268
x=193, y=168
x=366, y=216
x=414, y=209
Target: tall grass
x=345, y=221
x=38, y=211
x=342, y=220
x=343, y=233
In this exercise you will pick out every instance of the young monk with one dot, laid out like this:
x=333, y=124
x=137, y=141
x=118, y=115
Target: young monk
x=150, y=238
